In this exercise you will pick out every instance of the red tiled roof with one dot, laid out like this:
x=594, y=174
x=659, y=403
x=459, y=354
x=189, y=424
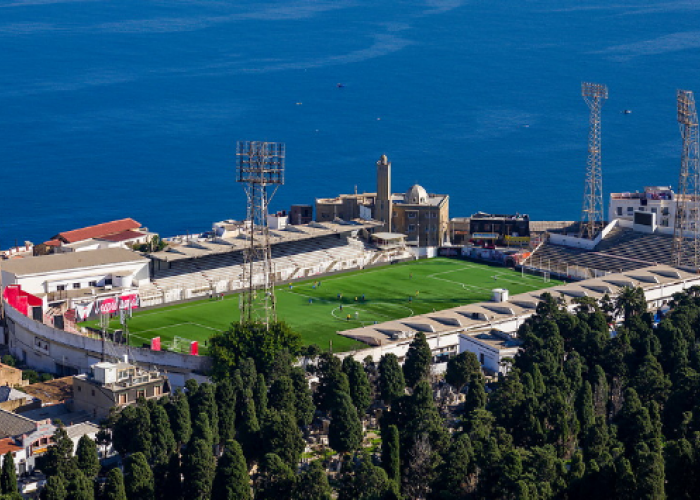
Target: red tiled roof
x=52, y=243
x=123, y=236
x=8, y=444
x=98, y=231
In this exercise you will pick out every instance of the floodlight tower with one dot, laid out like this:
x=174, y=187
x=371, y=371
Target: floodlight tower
x=259, y=165
x=686, y=242
x=592, y=217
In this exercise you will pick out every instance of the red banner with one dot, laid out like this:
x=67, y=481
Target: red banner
x=129, y=301
x=108, y=306
x=194, y=348
x=155, y=344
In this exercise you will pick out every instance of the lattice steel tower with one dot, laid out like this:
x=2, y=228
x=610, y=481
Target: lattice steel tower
x=686, y=242
x=259, y=165
x=592, y=217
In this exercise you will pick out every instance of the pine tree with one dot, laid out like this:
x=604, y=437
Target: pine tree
x=86, y=457
x=163, y=439
x=179, y=417
x=8, y=476
x=391, y=460
x=56, y=488
x=313, y=483
x=114, y=487
x=81, y=487
x=462, y=369
x=360, y=391
x=231, y=481
x=198, y=470
x=226, y=399
x=391, y=380
x=345, y=431
x=418, y=360
x=281, y=436
x=138, y=477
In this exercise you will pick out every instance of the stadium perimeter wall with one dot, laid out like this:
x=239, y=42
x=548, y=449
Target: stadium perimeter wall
x=48, y=349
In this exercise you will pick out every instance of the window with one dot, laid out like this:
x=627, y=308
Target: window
x=92, y=283
x=481, y=358
x=80, y=389
x=108, y=281
x=76, y=286
x=122, y=399
x=630, y=210
x=653, y=210
x=619, y=210
x=93, y=393
x=61, y=288
x=140, y=394
x=664, y=211
x=411, y=215
x=157, y=390
x=411, y=228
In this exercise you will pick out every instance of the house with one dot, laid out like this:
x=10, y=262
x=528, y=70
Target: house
x=123, y=233
x=111, y=385
x=26, y=438
x=9, y=375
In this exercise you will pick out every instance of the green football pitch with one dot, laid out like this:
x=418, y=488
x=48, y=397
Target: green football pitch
x=313, y=307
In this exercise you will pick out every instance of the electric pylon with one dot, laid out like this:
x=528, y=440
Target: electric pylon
x=592, y=217
x=686, y=242
x=260, y=164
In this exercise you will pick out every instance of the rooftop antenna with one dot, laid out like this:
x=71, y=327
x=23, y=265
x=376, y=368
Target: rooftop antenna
x=259, y=165
x=686, y=242
x=592, y=218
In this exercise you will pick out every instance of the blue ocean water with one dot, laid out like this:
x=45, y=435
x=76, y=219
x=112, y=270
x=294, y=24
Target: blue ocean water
x=112, y=109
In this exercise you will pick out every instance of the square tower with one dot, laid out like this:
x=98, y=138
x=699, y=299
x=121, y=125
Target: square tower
x=383, y=208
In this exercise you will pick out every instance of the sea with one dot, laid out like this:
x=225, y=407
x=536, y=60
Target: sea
x=132, y=108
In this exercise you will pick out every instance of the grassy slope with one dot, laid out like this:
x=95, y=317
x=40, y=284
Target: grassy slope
x=431, y=284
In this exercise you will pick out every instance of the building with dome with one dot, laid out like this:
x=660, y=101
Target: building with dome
x=423, y=217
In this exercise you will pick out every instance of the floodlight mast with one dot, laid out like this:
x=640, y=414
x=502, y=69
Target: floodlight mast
x=686, y=242
x=592, y=217
x=259, y=165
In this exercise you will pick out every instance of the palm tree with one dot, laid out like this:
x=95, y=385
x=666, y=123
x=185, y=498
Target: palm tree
x=630, y=302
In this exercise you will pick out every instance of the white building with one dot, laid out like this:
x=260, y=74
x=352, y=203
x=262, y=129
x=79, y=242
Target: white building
x=659, y=200
x=491, y=348
x=113, y=267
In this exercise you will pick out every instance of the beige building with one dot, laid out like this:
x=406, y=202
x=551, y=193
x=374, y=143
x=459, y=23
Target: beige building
x=423, y=217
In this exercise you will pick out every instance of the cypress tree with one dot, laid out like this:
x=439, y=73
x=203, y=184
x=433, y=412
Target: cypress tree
x=138, y=477
x=163, y=439
x=391, y=460
x=231, y=481
x=143, y=439
x=345, y=431
x=59, y=456
x=360, y=391
x=114, y=486
x=418, y=360
x=172, y=488
x=226, y=400
x=304, y=401
x=392, y=384
x=281, y=436
x=8, y=476
x=454, y=473
x=313, y=483
x=364, y=481
x=282, y=397
x=81, y=487
x=276, y=479
x=249, y=429
x=204, y=401
x=202, y=430
x=56, y=488
x=179, y=417
x=86, y=457
x=462, y=369
x=260, y=396
x=198, y=470
x=584, y=407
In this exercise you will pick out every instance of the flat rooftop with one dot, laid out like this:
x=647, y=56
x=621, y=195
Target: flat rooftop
x=73, y=260
x=480, y=316
x=204, y=247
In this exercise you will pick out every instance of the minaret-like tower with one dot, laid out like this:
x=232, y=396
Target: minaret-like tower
x=686, y=242
x=260, y=166
x=592, y=217
x=383, y=206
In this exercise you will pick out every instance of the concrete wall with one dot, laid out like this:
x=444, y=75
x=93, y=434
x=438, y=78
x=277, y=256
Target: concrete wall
x=79, y=352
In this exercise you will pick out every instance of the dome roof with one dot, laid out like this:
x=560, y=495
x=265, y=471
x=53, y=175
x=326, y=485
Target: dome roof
x=417, y=195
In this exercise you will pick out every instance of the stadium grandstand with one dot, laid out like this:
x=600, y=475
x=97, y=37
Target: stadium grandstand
x=197, y=267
